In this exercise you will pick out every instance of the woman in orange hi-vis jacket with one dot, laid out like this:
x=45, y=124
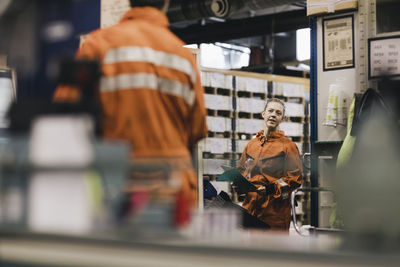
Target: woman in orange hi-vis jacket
x=271, y=162
x=150, y=89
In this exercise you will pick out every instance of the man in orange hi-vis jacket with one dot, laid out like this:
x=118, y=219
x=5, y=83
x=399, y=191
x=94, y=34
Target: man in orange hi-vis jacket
x=150, y=89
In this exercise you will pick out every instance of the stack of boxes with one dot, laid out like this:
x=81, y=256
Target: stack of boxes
x=218, y=143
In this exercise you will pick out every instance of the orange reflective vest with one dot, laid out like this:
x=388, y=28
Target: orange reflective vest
x=267, y=161
x=150, y=88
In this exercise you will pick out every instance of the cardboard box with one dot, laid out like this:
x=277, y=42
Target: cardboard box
x=316, y=7
x=257, y=105
x=292, y=128
x=219, y=124
x=250, y=105
x=256, y=85
x=228, y=82
x=213, y=166
x=294, y=110
x=244, y=104
x=217, y=80
x=277, y=88
x=300, y=147
x=241, y=144
x=217, y=145
x=218, y=102
x=293, y=90
x=205, y=79
x=288, y=89
x=249, y=126
x=241, y=83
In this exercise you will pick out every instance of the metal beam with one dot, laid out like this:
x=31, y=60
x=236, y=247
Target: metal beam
x=242, y=28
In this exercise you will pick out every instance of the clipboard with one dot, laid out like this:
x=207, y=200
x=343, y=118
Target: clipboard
x=233, y=175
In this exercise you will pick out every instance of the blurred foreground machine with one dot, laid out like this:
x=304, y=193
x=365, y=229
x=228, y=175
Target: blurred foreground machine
x=39, y=193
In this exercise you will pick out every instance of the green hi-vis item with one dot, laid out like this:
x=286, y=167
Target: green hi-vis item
x=237, y=179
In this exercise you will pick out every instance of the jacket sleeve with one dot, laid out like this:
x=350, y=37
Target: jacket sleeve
x=241, y=164
x=293, y=170
x=197, y=117
x=69, y=93
x=246, y=165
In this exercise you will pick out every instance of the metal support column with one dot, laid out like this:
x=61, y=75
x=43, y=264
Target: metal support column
x=314, y=120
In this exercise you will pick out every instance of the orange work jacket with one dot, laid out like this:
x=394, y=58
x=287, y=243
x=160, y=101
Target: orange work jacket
x=150, y=89
x=264, y=162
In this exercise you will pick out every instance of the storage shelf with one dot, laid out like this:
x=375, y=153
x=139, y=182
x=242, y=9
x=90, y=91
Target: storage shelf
x=229, y=135
x=218, y=91
x=268, y=77
x=221, y=113
x=226, y=155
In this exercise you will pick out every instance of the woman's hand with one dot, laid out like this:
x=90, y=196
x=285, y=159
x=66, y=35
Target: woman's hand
x=268, y=189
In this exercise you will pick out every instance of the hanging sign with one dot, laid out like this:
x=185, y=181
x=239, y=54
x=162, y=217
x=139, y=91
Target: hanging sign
x=384, y=56
x=338, y=42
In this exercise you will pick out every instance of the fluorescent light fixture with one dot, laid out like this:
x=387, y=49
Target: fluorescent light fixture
x=193, y=46
x=224, y=56
x=303, y=44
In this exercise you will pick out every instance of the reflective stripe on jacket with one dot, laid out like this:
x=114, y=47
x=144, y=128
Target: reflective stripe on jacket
x=264, y=162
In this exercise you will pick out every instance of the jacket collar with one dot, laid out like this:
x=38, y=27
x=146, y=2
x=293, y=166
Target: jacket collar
x=273, y=135
x=150, y=14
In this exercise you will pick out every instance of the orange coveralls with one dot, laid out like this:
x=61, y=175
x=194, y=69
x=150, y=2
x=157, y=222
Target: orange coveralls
x=267, y=161
x=150, y=90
